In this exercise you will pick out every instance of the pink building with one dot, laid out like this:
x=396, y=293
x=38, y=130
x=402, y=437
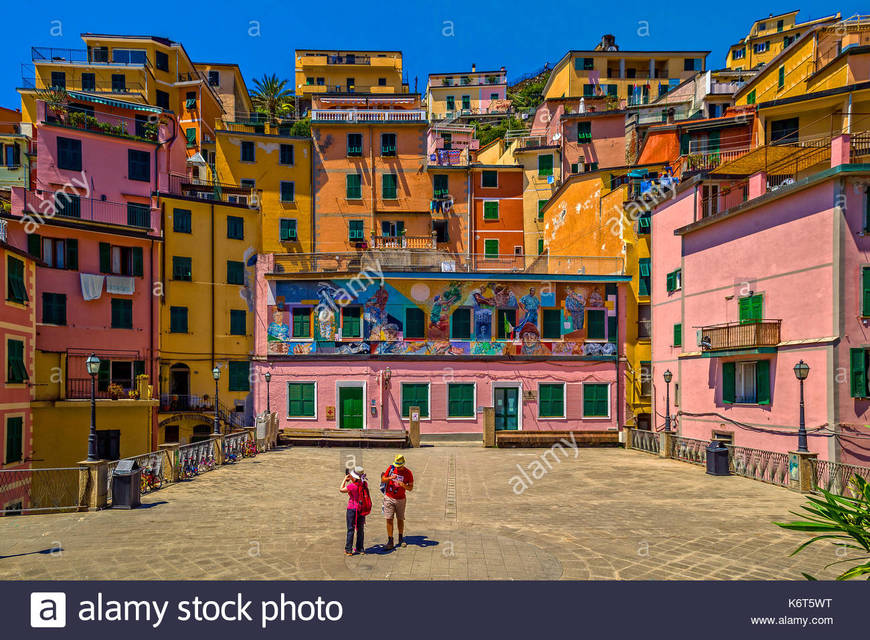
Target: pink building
x=751, y=275
x=349, y=350
x=89, y=221
x=451, y=144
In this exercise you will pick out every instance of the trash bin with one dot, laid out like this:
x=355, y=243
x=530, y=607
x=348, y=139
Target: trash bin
x=717, y=459
x=126, y=485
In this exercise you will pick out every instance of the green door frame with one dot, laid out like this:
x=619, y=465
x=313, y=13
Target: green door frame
x=343, y=391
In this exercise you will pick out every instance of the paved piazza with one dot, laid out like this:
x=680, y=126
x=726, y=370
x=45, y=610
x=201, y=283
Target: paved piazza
x=608, y=514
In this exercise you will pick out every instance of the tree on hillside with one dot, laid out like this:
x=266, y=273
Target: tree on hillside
x=271, y=96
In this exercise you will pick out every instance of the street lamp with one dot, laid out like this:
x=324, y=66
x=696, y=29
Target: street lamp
x=216, y=374
x=93, y=366
x=268, y=377
x=668, y=376
x=801, y=371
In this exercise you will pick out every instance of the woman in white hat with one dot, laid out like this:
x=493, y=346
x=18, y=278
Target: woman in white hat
x=352, y=485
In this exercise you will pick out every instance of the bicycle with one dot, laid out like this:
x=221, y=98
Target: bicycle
x=189, y=469
x=150, y=481
x=249, y=449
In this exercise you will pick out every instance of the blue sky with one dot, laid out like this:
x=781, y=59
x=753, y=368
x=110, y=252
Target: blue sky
x=436, y=36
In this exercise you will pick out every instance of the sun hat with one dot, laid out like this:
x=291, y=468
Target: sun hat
x=399, y=461
x=354, y=474
x=360, y=471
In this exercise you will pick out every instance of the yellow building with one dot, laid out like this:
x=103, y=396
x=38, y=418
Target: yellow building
x=147, y=69
x=206, y=312
x=816, y=88
x=466, y=93
x=629, y=77
x=602, y=213
x=332, y=71
x=768, y=37
x=542, y=173
x=266, y=158
x=227, y=81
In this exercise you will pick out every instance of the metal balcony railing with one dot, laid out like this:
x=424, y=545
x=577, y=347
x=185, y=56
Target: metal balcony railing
x=183, y=185
x=78, y=57
x=741, y=335
x=68, y=206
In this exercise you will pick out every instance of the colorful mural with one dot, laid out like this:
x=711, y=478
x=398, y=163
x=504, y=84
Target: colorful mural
x=505, y=318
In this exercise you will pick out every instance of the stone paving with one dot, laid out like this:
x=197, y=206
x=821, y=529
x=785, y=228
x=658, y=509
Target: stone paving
x=606, y=514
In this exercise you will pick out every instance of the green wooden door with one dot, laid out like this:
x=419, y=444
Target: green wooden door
x=350, y=407
x=507, y=408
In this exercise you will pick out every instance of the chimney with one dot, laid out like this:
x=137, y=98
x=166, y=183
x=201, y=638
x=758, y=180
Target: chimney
x=473, y=67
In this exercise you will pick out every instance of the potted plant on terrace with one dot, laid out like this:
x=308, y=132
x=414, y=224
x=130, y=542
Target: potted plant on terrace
x=115, y=391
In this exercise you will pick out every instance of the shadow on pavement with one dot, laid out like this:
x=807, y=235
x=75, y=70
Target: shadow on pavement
x=411, y=541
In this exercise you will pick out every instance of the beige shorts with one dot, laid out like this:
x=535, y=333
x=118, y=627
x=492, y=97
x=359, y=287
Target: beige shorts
x=394, y=507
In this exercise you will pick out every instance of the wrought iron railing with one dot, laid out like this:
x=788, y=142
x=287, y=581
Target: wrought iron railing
x=67, y=206
x=836, y=477
x=39, y=490
x=644, y=440
x=689, y=449
x=767, y=466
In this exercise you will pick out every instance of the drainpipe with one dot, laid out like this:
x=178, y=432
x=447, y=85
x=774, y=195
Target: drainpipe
x=372, y=164
x=213, y=257
x=470, y=213
x=313, y=198
x=152, y=355
x=381, y=398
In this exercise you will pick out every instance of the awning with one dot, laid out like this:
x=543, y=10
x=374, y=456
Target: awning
x=197, y=160
x=88, y=97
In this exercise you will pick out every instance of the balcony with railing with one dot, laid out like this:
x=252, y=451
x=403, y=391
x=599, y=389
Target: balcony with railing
x=392, y=256
x=203, y=189
x=92, y=121
x=67, y=206
x=76, y=83
x=368, y=115
x=83, y=57
x=707, y=160
x=740, y=335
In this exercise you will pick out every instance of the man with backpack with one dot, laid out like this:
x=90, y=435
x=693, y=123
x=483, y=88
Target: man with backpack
x=395, y=481
x=359, y=505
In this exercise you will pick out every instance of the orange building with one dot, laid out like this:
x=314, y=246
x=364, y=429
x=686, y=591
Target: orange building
x=497, y=227
x=371, y=186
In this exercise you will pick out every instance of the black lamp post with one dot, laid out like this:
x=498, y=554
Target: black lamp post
x=93, y=366
x=216, y=374
x=801, y=371
x=268, y=377
x=668, y=376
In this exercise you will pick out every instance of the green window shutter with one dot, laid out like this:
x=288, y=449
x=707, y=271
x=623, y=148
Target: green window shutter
x=353, y=186
x=239, y=374
x=351, y=327
x=16, y=369
x=781, y=77
x=301, y=323
x=288, y=191
x=551, y=324
x=545, y=165
x=540, y=246
x=490, y=248
x=460, y=324
x=643, y=222
x=684, y=144
x=235, y=272
x=236, y=227
x=34, y=245
x=413, y=322
x=490, y=210
x=612, y=328
x=595, y=324
x=439, y=185
x=389, y=182
x=72, y=254
x=541, y=205
x=858, y=370
x=301, y=399
x=865, y=283
x=672, y=282
x=14, y=439
x=756, y=307
x=584, y=132
x=105, y=257
x=238, y=322
x=355, y=230
x=750, y=308
x=728, y=382
x=415, y=395
x=138, y=265
x=15, y=280
x=762, y=382
x=181, y=220
x=551, y=400
x=190, y=135
x=750, y=97
x=595, y=400
x=643, y=277
x=460, y=400
x=178, y=319
x=122, y=313
x=713, y=141
x=489, y=179
x=287, y=230
x=678, y=335
x=104, y=375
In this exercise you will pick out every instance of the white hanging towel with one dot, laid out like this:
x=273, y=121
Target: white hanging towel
x=120, y=285
x=92, y=285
